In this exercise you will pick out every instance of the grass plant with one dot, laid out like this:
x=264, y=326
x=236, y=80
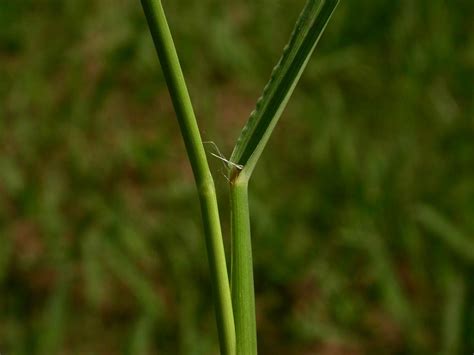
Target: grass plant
x=236, y=323
x=361, y=206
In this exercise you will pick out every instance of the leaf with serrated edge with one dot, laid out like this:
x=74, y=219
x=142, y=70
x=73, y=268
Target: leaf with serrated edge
x=285, y=76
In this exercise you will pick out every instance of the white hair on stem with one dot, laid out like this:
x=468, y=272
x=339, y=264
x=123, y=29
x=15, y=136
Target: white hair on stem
x=220, y=156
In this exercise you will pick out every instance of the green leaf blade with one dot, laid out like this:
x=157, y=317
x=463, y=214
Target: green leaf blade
x=285, y=76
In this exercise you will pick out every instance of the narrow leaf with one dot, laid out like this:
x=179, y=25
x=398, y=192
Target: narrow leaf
x=448, y=233
x=455, y=287
x=283, y=80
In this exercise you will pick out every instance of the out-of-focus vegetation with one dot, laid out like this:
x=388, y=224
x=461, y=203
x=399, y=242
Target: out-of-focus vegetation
x=101, y=247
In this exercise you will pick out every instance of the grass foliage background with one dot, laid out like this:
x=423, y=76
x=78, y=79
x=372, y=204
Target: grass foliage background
x=362, y=206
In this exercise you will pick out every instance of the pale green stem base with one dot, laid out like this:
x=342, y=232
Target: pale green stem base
x=242, y=284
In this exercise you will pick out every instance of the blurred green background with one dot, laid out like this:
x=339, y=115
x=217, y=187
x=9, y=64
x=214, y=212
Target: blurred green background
x=362, y=206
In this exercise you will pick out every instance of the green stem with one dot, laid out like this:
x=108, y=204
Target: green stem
x=247, y=151
x=189, y=129
x=243, y=296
